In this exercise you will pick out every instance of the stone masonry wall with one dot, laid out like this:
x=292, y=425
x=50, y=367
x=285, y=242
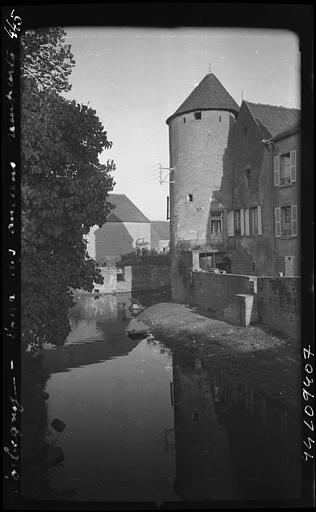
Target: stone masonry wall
x=247, y=182
x=196, y=152
x=279, y=303
x=276, y=299
x=111, y=283
x=150, y=277
x=286, y=195
x=215, y=291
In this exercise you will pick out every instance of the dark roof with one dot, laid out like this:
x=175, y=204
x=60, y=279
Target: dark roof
x=295, y=128
x=125, y=210
x=272, y=119
x=161, y=228
x=209, y=94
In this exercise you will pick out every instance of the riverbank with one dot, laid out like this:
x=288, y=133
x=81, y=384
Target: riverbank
x=34, y=485
x=250, y=354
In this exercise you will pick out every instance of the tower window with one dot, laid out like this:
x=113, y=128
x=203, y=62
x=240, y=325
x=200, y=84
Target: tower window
x=190, y=198
x=248, y=176
x=198, y=115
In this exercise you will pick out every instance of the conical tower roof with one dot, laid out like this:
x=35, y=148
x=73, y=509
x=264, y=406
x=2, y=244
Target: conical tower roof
x=209, y=94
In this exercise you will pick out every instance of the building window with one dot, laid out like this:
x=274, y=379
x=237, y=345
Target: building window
x=286, y=228
x=168, y=207
x=198, y=115
x=216, y=222
x=237, y=222
x=184, y=120
x=253, y=221
x=190, y=198
x=245, y=130
x=220, y=119
x=285, y=168
x=247, y=173
x=286, y=221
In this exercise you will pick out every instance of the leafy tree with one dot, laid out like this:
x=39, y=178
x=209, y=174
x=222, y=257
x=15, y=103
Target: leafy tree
x=47, y=59
x=63, y=189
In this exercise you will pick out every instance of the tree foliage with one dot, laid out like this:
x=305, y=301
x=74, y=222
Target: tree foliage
x=64, y=189
x=47, y=59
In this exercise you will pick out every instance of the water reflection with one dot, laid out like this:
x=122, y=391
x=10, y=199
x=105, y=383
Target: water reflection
x=113, y=395
x=145, y=424
x=97, y=333
x=264, y=442
x=204, y=470
x=231, y=441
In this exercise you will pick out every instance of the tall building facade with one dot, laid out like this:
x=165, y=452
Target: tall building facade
x=198, y=135
x=226, y=205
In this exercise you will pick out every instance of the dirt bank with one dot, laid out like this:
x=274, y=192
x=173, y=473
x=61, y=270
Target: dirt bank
x=251, y=354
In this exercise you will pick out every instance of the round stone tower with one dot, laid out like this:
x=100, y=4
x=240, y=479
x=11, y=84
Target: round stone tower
x=198, y=134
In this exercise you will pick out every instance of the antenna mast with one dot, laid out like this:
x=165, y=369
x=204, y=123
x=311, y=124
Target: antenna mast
x=166, y=177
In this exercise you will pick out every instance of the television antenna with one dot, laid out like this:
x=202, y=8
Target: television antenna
x=165, y=174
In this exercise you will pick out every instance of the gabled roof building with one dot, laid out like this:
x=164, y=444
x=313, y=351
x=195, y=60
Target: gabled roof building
x=272, y=119
x=125, y=210
x=126, y=228
x=223, y=196
x=249, y=196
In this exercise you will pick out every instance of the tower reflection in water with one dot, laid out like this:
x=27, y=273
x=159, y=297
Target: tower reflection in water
x=231, y=442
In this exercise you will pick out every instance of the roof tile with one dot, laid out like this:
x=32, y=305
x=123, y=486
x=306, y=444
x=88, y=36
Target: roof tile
x=209, y=94
x=273, y=119
x=125, y=210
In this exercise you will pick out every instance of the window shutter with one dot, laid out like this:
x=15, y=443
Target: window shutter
x=247, y=230
x=294, y=219
x=276, y=167
x=259, y=220
x=242, y=223
x=293, y=166
x=277, y=215
x=230, y=223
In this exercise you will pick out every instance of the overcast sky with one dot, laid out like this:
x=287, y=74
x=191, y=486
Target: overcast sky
x=136, y=78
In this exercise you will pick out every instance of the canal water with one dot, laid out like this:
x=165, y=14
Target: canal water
x=144, y=425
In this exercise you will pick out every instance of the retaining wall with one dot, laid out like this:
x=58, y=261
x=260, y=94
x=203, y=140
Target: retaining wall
x=242, y=299
x=113, y=283
x=215, y=291
x=150, y=277
x=279, y=304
